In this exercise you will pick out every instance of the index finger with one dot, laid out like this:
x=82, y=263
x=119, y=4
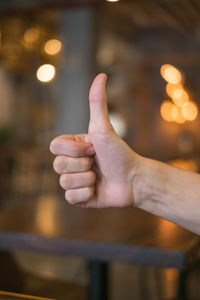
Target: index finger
x=69, y=145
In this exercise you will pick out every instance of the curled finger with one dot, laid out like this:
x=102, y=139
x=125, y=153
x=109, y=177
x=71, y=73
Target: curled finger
x=79, y=196
x=66, y=164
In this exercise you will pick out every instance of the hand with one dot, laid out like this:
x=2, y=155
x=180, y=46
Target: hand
x=97, y=169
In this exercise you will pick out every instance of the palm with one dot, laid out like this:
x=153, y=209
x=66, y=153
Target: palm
x=113, y=161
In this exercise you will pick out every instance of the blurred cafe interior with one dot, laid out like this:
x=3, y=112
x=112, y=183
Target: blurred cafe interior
x=50, y=50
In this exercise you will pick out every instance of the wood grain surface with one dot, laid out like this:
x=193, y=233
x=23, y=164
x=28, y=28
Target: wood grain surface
x=130, y=235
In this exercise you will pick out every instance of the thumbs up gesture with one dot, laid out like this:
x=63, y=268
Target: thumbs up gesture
x=96, y=169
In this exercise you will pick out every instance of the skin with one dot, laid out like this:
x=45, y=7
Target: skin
x=99, y=170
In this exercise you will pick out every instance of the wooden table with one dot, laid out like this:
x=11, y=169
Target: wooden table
x=50, y=225
x=13, y=296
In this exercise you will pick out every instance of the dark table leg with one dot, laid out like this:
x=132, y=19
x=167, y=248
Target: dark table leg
x=98, y=280
x=182, y=285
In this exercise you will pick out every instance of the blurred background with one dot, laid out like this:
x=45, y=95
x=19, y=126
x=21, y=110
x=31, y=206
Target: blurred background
x=49, y=53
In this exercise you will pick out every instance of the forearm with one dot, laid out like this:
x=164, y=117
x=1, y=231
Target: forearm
x=169, y=192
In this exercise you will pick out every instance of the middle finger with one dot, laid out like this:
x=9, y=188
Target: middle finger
x=66, y=164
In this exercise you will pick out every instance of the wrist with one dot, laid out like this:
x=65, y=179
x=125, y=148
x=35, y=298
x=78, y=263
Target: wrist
x=138, y=181
x=145, y=189
x=151, y=187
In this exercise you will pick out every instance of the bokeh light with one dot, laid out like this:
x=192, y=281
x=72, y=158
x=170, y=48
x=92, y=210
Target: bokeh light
x=189, y=165
x=171, y=74
x=112, y=0
x=105, y=56
x=170, y=88
x=180, y=97
x=189, y=111
x=168, y=111
x=118, y=124
x=31, y=35
x=178, y=117
x=52, y=46
x=46, y=73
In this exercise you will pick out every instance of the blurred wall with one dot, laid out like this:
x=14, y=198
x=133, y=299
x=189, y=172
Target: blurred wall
x=6, y=100
x=74, y=78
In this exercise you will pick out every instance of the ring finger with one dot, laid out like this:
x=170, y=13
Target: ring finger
x=77, y=180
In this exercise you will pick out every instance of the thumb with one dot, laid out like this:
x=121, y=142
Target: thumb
x=99, y=120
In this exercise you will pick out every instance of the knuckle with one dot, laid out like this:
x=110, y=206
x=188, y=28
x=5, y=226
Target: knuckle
x=58, y=164
x=70, y=197
x=61, y=181
x=53, y=144
x=65, y=181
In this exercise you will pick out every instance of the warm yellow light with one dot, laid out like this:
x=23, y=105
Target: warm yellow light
x=189, y=111
x=31, y=35
x=179, y=117
x=189, y=165
x=168, y=111
x=170, y=88
x=174, y=113
x=46, y=73
x=52, y=47
x=171, y=74
x=180, y=97
x=112, y=0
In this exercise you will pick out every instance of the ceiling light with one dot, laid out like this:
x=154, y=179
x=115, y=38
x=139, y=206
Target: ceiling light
x=52, y=46
x=46, y=73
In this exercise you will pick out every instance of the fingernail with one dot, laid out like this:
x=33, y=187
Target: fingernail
x=90, y=151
